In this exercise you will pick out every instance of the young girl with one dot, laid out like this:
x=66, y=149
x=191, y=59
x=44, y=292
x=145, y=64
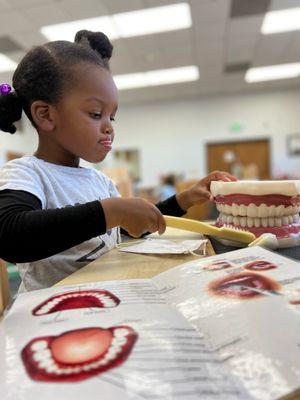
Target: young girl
x=56, y=217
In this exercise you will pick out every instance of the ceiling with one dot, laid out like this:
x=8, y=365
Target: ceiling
x=223, y=41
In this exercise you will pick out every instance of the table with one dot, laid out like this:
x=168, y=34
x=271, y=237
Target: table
x=116, y=265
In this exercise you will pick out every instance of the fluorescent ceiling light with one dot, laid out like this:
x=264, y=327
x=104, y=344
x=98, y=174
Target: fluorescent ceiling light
x=281, y=21
x=152, y=20
x=135, y=23
x=273, y=72
x=157, y=77
x=6, y=64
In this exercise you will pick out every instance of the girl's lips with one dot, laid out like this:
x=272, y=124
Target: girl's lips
x=107, y=144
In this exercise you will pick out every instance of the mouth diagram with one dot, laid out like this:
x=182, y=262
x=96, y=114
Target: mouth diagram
x=76, y=299
x=77, y=354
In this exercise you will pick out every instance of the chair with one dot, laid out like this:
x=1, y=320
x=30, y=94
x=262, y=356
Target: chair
x=4, y=287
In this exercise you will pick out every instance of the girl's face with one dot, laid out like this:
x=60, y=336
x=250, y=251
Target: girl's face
x=84, y=117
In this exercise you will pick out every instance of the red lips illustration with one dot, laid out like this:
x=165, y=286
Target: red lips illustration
x=259, y=265
x=244, y=285
x=76, y=299
x=217, y=265
x=77, y=354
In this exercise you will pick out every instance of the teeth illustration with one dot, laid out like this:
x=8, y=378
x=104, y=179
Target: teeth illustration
x=38, y=357
x=63, y=301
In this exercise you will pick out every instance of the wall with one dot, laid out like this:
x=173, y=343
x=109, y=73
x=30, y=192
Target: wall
x=171, y=136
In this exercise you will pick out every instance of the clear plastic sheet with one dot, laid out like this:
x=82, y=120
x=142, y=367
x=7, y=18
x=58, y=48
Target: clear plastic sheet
x=247, y=305
x=109, y=340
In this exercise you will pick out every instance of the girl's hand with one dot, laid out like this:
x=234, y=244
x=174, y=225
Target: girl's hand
x=135, y=215
x=200, y=192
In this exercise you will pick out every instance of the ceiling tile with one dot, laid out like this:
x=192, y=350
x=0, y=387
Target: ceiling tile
x=243, y=8
x=272, y=48
x=14, y=21
x=46, y=14
x=74, y=9
x=117, y=6
x=237, y=68
x=8, y=45
x=283, y=4
x=240, y=49
x=244, y=26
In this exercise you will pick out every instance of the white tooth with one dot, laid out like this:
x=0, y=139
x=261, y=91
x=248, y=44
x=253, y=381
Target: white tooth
x=236, y=220
x=224, y=208
x=288, y=210
x=53, y=369
x=120, y=332
x=42, y=355
x=290, y=217
x=279, y=210
x=219, y=207
x=272, y=211
x=87, y=367
x=257, y=222
x=120, y=341
x=295, y=218
x=277, y=222
x=46, y=363
x=227, y=209
x=235, y=209
x=264, y=222
x=285, y=220
x=262, y=211
x=252, y=210
x=229, y=219
x=109, y=303
x=271, y=222
x=40, y=345
x=243, y=221
x=250, y=222
x=295, y=209
x=243, y=210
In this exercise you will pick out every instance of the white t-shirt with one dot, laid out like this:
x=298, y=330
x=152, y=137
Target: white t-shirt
x=58, y=186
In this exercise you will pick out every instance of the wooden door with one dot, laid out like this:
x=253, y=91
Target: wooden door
x=245, y=160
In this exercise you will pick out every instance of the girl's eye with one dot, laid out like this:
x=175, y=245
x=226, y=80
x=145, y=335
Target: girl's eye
x=112, y=118
x=95, y=115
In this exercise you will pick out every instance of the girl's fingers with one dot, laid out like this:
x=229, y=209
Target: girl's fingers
x=161, y=223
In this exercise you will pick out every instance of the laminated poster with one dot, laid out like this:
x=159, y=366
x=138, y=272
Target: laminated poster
x=225, y=327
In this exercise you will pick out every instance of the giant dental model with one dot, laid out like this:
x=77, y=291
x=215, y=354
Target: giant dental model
x=260, y=207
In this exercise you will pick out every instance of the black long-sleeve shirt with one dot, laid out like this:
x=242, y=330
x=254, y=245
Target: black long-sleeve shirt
x=29, y=233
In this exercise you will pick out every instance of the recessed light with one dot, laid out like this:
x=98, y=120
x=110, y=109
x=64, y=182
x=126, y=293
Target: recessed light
x=157, y=77
x=7, y=64
x=135, y=23
x=273, y=72
x=281, y=21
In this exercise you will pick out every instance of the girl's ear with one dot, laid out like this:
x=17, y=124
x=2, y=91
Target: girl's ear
x=43, y=115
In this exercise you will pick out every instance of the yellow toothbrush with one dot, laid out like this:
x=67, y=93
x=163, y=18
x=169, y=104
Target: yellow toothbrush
x=236, y=235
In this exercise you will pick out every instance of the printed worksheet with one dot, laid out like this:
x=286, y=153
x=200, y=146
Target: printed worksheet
x=109, y=340
x=246, y=303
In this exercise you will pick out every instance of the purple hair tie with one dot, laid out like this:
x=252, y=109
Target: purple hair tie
x=5, y=88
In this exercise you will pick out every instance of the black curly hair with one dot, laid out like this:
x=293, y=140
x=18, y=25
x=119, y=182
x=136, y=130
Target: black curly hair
x=46, y=71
